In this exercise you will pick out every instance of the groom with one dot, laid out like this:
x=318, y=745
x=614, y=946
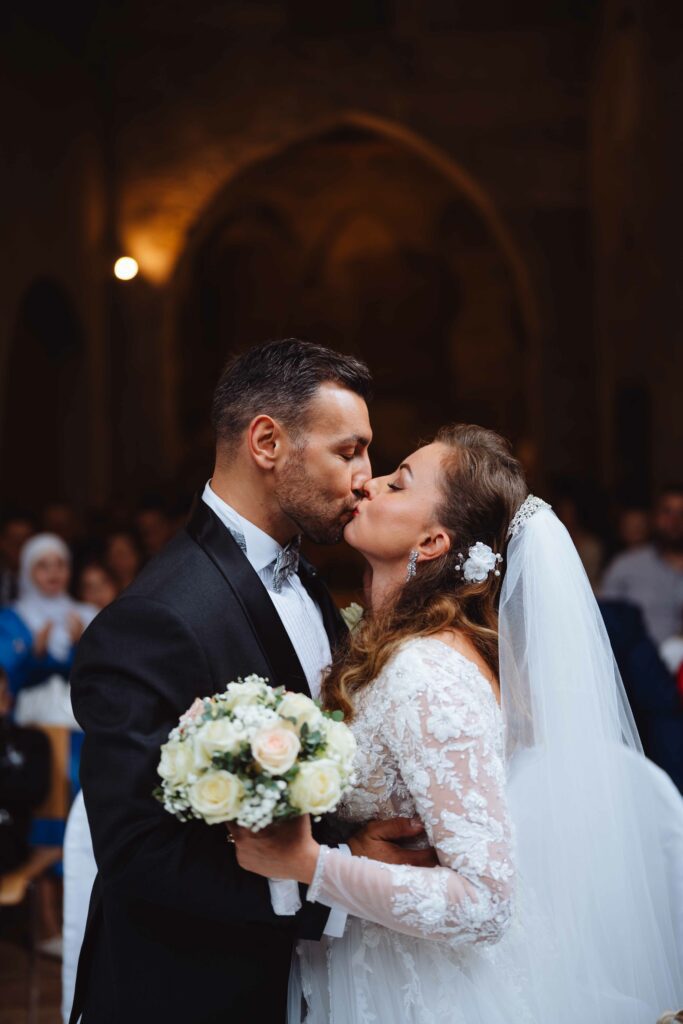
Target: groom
x=177, y=931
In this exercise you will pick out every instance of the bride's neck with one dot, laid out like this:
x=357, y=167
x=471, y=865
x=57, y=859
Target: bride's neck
x=385, y=582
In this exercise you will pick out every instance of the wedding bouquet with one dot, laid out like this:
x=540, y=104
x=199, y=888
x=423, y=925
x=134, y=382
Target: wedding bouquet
x=254, y=755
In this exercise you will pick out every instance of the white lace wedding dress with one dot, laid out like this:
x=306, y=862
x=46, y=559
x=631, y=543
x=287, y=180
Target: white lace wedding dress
x=422, y=945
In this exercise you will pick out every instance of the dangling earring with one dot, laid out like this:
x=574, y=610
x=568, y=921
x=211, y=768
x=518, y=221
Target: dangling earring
x=412, y=562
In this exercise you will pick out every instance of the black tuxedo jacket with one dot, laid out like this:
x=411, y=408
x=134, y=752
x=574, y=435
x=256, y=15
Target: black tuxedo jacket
x=177, y=932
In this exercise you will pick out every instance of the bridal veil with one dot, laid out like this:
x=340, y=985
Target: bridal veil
x=593, y=866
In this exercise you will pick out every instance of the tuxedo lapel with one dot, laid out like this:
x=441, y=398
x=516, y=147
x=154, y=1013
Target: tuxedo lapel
x=212, y=536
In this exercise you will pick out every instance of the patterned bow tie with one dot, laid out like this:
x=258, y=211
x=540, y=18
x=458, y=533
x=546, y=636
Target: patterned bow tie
x=286, y=563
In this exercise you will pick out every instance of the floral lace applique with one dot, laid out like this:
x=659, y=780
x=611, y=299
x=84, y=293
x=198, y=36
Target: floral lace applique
x=430, y=742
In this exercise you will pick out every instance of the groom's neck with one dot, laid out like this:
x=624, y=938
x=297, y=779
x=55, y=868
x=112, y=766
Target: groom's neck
x=253, y=500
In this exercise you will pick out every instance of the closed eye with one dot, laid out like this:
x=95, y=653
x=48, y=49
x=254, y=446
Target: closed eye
x=394, y=487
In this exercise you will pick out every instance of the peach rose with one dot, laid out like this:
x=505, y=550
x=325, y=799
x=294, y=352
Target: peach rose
x=276, y=749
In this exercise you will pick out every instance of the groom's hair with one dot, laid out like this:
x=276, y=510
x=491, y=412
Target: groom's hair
x=280, y=379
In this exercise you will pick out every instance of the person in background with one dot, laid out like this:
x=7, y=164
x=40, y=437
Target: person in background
x=60, y=518
x=40, y=631
x=633, y=527
x=569, y=509
x=122, y=557
x=15, y=530
x=651, y=576
x=96, y=585
x=650, y=686
x=154, y=526
x=25, y=768
x=24, y=781
x=671, y=653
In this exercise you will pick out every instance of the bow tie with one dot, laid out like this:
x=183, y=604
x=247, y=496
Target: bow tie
x=286, y=563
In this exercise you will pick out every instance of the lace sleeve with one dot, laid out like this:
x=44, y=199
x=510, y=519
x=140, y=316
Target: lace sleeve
x=442, y=728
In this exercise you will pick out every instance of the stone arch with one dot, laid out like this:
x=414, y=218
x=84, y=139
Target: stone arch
x=424, y=228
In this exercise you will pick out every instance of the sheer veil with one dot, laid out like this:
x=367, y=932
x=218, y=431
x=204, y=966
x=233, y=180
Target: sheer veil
x=593, y=889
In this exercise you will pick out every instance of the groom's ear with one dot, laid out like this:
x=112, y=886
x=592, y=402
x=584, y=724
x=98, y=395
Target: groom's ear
x=264, y=441
x=436, y=544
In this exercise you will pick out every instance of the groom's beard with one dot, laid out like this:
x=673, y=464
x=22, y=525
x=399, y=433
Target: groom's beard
x=319, y=516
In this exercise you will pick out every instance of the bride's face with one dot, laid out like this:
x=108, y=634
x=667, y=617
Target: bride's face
x=398, y=514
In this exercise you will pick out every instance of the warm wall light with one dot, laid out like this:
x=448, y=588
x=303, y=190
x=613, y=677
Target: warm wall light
x=126, y=268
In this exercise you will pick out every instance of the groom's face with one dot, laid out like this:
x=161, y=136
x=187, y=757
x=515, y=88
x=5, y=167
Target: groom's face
x=324, y=475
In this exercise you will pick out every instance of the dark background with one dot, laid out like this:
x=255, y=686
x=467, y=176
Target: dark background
x=482, y=199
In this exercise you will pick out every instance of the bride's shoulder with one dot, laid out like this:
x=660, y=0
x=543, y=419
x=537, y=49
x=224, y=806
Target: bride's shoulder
x=430, y=667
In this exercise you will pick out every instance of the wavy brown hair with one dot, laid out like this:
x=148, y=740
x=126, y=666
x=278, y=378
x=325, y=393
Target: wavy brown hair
x=482, y=486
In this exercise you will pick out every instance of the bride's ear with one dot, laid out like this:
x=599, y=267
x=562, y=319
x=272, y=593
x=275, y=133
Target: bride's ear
x=436, y=544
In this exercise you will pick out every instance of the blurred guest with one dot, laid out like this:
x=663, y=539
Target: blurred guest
x=589, y=546
x=154, y=527
x=671, y=652
x=96, y=585
x=651, y=576
x=15, y=530
x=24, y=781
x=60, y=518
x=633, y=528
x=39, y=633
x=122, y=557
x=25, y=766
x=651, y=688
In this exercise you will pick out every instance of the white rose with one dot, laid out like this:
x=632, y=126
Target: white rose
x=218, y=736
x=480, y=562
x=341, y=743
x=276, y=748
x=176, y=762
x=251, y=691
x=216, y=796
x=316, y=788
x=302, y=709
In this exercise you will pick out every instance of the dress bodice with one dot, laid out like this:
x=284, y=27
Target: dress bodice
x=384, y=776
x=430, y=743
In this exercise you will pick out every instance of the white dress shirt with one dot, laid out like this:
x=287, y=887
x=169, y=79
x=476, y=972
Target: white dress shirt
x=303, y=622
x=299, y=614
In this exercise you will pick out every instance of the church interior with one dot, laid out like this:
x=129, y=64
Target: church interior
x=482, y=200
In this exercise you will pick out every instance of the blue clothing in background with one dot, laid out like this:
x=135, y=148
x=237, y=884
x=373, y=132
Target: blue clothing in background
x=650, y=687
x=17, y=658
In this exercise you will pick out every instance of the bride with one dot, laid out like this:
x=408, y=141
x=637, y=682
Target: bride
x=483, y=695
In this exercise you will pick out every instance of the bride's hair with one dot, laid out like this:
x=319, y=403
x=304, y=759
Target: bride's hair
x=482, y=486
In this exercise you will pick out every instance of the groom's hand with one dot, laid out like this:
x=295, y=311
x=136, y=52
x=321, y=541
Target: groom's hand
x=378, y=841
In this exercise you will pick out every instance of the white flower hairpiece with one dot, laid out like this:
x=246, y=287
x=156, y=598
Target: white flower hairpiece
x=481, y=560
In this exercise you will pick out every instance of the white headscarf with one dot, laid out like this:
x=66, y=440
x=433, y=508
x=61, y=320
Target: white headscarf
x=36, y=609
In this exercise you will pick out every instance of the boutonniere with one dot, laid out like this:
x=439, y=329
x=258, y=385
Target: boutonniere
x=352, y=616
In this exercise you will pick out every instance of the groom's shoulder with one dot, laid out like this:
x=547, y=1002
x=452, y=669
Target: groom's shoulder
x=178, y=576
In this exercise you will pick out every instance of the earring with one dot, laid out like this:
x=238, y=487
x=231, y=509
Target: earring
x=412, y=562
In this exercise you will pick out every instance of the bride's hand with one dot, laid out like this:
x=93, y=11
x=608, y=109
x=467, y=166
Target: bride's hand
x=285, y=850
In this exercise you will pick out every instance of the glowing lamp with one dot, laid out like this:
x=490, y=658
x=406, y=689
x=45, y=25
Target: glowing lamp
x=126, y=268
